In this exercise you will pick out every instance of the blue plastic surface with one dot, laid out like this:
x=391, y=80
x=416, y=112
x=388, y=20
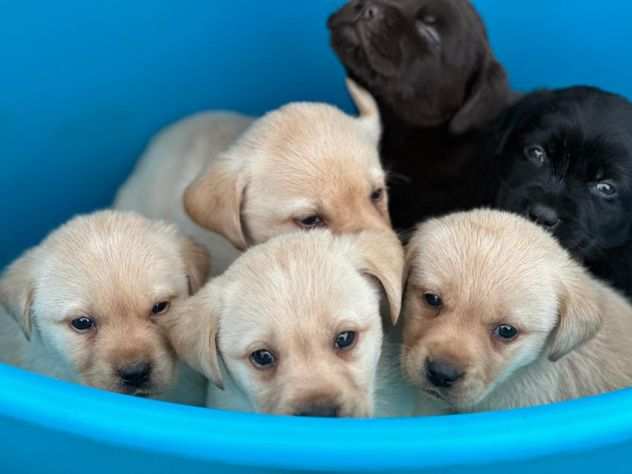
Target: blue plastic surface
x=83, y=85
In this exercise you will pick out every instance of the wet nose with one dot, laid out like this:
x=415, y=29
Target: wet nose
x=323, y=410
x=136, y=374
x=442, y=374
x=544, y=215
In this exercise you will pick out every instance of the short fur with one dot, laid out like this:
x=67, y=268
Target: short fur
x=113, y=267
x=430, y=67
x=247, y=180
x=292, y=295
x=491, y=268
x=586, y=134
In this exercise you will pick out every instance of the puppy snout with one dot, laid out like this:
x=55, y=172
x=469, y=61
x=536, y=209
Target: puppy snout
x=443, y=374
x=319, y=409
x=544, y=216
x=135, y=374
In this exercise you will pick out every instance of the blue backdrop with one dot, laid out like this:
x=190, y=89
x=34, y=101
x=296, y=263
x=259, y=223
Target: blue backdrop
x=83, y=85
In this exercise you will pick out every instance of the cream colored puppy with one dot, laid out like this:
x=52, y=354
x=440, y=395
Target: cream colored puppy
x=231, y=181
x=497, y=315
x=295, y=323
x=88, y=298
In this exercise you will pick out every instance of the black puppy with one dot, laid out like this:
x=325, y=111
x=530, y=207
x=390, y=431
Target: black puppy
x=565, y=161
x=430, y=67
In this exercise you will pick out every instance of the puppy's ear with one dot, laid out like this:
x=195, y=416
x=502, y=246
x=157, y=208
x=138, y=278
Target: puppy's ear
x=197, y=263
x=214, y=201
x=489, y=95
x=579, y=318
x=381, y=256
x=17, y=289
x=192, y=327
x=367, y=108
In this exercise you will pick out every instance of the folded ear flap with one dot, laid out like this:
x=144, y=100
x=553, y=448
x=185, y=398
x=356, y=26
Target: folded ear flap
x=368, y=109
x=197, y=263
x=214, y=200
x=490, y=94
x=580, y=316
x=381, y=256
x=17, y=286
x=192, y=328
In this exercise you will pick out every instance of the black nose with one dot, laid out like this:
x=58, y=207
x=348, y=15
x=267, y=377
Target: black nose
x=323, y=411
x=136, y=374
x=442, y=374
x=544, y=216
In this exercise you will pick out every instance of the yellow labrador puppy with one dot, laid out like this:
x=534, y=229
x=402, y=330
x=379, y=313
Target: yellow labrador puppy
x=497, y=315
x=231, y=181
x=294, y=326
x=83, y=305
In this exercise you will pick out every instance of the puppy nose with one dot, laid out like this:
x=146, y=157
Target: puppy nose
x=136, y=374
x=544, y=216
x=442, y=374
x=328, y=410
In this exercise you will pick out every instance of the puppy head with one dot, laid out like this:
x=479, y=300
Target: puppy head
x=566, y=164
x=94, y=290
x=428, y=61
x=296, y=322
x=489, y=293
x=303, y=166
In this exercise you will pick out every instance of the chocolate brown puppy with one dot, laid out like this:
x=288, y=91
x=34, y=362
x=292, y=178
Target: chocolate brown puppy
x=430, y=67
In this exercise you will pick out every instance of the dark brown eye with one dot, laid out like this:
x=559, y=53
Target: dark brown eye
x=535, y=154
x=310, y=222
x=160, y=308
x=433, y=300
x=429, y=19
x=83, y=324
x=263, y=359
x=505, y=332
x=345, y=340
x=377, y=195
x=605, y=189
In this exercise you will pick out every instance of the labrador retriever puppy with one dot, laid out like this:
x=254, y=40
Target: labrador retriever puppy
x=565, y=161
x=304, y=166
x=497, y=315
x=430, y=67
x=294, y=326
x=83, y=305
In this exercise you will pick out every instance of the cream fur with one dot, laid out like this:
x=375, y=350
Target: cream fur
x=492, y=268
x=231, y=181
x=113, y=267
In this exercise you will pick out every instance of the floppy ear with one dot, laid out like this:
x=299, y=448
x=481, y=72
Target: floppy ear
x=17, y=289
x=381, y=256
x=490, y=94
x=197, y=264
x=579, y=318
x=214, y=201
x=367, y=108
x=192, y=327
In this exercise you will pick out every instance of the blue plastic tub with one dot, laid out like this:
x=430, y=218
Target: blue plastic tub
x=83, y=85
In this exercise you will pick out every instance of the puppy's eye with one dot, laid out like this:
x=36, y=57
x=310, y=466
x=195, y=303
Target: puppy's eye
x=605, y=189
x=160, y=308
x=505, y=332
x=377, y=195
x=263, y=359
x=345, y=341
x=427, y=28
x=535, y=154
x=433, y=300
x=429, y=19
x=310, y=222
x=83, y=324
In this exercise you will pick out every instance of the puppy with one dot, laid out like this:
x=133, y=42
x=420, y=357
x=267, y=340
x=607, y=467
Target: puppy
x=565, y=160
x=88, y=298
x=303, y=166
x=430, y=67
x=293, y=326
x=497, y=315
